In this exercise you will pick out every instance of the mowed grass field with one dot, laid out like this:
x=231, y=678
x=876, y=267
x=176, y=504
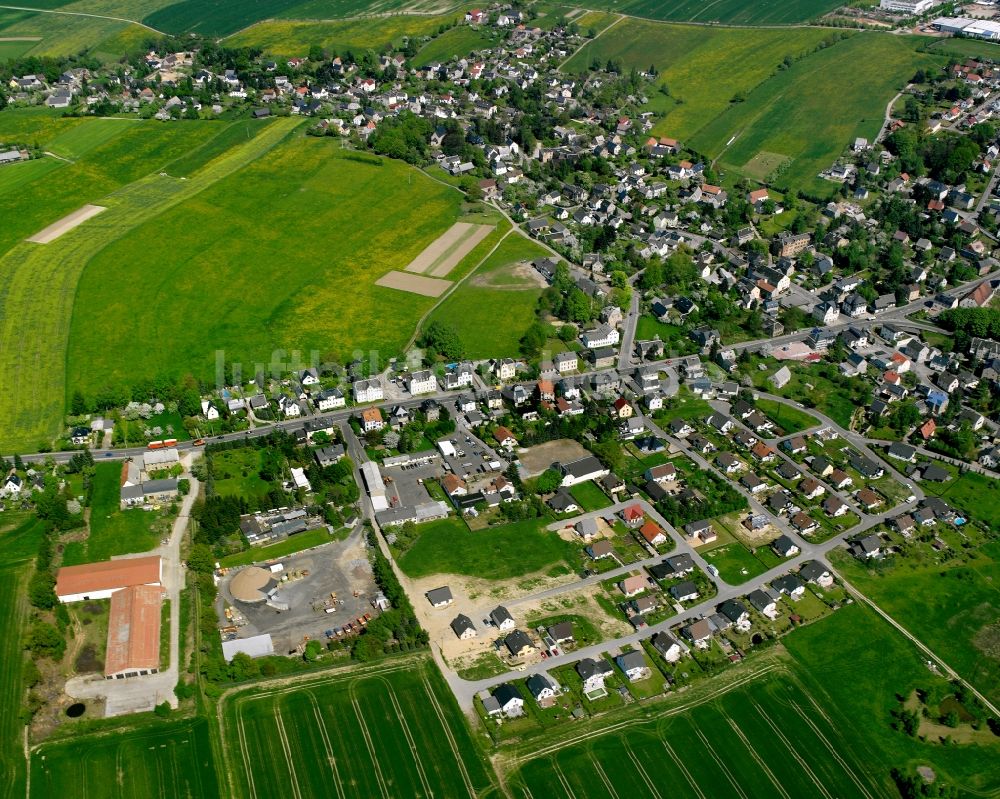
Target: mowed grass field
x=280, y=256
x=953, y=608
x=292, y=38
x=730, y=12
x=167, y=760
x=502, y=282
x=813, y=110
x=391, y=731
x=41, y=280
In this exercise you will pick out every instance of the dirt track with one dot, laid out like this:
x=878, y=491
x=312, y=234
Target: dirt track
x=66, y=224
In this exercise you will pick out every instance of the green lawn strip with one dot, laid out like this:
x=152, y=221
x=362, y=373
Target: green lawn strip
x=14, y=607
x=496, y=553
x=589, y=496
x=114, y=531
x=323, y=299
x=296, y=543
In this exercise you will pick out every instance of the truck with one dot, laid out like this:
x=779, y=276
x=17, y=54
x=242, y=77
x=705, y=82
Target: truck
x=164, y=444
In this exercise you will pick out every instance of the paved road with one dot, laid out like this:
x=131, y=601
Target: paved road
x=631, y=322
x=465, y=690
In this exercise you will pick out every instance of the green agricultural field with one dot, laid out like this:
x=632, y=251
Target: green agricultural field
x=168, y=760
x=35, y=126
x=238, y=132
x=455, y=43
x=730, y=12
x=855, y=665
x=112, y=530
x=952, y=607
x=704, y=68
x=63, y=34
x=15, y=49
x=41, y=280
x=789, y=419
x=761, y=738
x=225, y=17
x=309, y=264
x=81, y=139
x=291, y=38
x=496, y=553
x=504, y=280
x=14, y=608
x=862, y=72
x=14, y=176
x=390, y=731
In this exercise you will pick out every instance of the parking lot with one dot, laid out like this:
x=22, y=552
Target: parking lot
x=340, y=567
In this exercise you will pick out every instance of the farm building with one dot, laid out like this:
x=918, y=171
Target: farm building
x=101, y=580
x=134, y=632
x=256, y=646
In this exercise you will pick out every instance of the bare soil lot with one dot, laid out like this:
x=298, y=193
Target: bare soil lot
x=536, y=460
x=414, y=284
x=447, y=250
x=66, y=224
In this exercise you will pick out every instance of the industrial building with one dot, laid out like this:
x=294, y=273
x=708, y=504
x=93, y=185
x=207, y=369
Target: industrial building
x=101, y=580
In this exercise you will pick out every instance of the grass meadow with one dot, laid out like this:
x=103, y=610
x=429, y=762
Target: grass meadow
x=789, y=419
x=42, y=280
x=855, y=665
x=457, y=42
x=112, y=531
x=168, y=760
x=495, y=553
x=728, y=12
x=294, y=38
x=391, y=731
x=493, y=286
x=952, y=607
x=216, y=274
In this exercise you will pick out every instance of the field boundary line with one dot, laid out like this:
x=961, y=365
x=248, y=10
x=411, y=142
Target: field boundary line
x=244, y=752
x=451, y=739
x=642, y=772
x=409, y=739
x=683, y=769
x=719, y=762
x=338, y=784
x=758, y=758
x=287, y=749
x=798, y=758
x=371, y=747
x=562, y=779
x=830, y=748
x=604, y=777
